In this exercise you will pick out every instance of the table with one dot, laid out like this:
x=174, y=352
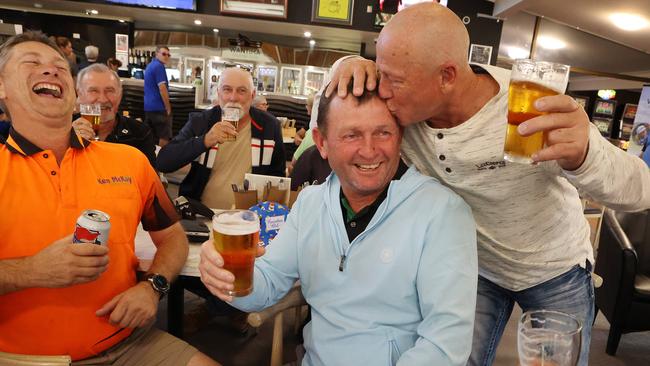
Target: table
x=188, y=278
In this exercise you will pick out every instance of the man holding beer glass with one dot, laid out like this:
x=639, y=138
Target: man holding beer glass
x=78, y=299
x=533, y=240
x=386, y=257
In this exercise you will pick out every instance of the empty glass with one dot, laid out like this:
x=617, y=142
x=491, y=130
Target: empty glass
x=548, y=338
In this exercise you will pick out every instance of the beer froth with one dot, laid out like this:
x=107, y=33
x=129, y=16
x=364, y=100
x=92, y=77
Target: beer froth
x=236, y=223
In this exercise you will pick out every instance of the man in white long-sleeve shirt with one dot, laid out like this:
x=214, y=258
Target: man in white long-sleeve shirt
x=533, y=240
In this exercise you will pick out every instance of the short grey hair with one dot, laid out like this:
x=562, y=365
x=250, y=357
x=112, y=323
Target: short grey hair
x=241, y=69
x=91, y=52
x=99, y=68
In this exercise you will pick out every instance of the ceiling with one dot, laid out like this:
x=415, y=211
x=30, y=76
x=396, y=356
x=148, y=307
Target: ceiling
x=146, y=18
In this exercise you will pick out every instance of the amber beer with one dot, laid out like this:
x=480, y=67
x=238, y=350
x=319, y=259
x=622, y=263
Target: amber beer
x=93, y=114
x=232, y=116
x=529, y=81
x=236, y=237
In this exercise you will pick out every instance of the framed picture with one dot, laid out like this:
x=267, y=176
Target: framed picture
x=266, y=76
x=124, y=59
x=290, y=81
x=332, y=11
x=121, y=42
x=262, y=8
x=480, y=54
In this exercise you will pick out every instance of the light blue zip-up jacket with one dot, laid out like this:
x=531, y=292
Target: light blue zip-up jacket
x=407, y=290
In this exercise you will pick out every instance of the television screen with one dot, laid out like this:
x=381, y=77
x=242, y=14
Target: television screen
x=165, y=4
x=604, y=107
x=630, y=111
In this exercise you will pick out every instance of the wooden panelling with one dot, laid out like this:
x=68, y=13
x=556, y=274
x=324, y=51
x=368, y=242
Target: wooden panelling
x=194, y=39
x=178, y=38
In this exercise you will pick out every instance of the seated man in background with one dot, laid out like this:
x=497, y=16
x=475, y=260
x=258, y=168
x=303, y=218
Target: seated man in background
x=60, y=298
x=98, y=84
x=216, y=162
x=381, y=291
x=260, y=103
x=311, y=168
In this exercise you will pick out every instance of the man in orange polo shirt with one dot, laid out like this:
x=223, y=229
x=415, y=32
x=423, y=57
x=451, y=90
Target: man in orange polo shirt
x=57, y=297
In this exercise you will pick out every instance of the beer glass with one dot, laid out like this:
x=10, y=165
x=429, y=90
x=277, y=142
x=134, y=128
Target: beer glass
x=529, y=81
x=232, y=116
x=93, y=114
x=548, y=338
x=236, y=237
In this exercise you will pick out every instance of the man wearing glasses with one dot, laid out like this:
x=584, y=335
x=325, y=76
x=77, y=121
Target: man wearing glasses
x=157, y=108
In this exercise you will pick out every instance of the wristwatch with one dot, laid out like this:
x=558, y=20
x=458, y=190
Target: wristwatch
x=159, y=283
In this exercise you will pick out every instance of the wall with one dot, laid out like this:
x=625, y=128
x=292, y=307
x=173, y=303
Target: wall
x=98, y=32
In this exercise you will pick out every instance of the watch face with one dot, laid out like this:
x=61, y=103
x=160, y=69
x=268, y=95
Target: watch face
x=160, y=283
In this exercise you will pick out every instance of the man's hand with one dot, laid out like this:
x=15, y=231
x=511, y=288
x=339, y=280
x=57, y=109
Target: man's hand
x=566, y=127
x=218, y=133
x=359, y=69
x=213, y=276
x=133, y=308
x=63, y=264
x=83, y=128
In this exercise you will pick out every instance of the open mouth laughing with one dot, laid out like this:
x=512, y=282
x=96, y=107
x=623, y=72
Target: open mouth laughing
x=367, y=167
x=47, y=89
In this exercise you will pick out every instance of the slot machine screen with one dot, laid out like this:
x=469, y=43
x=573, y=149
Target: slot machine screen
x=604, y=107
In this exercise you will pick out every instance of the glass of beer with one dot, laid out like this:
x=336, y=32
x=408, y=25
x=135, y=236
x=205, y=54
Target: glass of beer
x=232, y=116
x=548, y=338
x=93, y=114
x=236, y=237
x=529, y=81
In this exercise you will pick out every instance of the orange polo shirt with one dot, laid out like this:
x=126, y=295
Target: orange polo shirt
x=40, y=202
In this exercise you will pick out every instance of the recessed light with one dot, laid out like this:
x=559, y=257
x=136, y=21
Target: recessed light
x=197, y=22
x=312, y=42
x=215, y=30
x=628, y=22
x=517, y=53
x=94, y=12
x=550, y=43
x=38, y=5
x=307, y=34
x=121, y=20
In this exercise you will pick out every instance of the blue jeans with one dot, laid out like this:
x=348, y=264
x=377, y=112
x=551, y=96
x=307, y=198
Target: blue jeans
x=571, y=292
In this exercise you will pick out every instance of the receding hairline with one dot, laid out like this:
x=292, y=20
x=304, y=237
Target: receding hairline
x=96, y=69
x=229, y=70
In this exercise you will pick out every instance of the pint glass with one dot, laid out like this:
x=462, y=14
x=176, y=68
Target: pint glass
x=93, y=114
x=548, y=338
x=529, y=81
x=232, y=116
x=236, y=237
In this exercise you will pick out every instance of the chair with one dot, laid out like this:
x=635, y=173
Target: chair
x=10, y=359
x=292, y=300
x=624, y=263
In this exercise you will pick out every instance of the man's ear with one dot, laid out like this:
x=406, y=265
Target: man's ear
x=321, y=143
x=448, y=74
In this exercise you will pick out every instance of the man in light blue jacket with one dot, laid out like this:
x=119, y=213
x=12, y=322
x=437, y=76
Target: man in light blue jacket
x=386, y=257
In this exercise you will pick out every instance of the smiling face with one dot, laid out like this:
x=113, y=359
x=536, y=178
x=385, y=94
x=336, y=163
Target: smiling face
x=101, y=87
x=361, y=143
x=36, y=85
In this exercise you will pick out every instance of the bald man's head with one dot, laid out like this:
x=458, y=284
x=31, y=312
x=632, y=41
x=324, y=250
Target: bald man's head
x=429, y=34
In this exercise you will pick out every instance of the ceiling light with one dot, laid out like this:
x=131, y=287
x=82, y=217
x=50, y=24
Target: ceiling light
x=94, y=12
x=121, y=20
x=307, y=34
x=628, y=22
x=517, y=53
x=197, y=22
x=38, y=5
x=550, y=43
x=312, y=42
x=215, y=30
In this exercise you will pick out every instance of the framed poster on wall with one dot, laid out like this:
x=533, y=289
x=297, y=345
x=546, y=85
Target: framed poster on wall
x=480, y=54
x=121, y=42
x=332, y=11
x=262, y=8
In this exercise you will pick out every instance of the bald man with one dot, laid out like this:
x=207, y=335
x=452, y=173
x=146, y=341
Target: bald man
x=216, y=162
x=533, y=240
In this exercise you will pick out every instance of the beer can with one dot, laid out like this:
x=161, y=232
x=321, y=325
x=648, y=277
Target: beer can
x=93, y=226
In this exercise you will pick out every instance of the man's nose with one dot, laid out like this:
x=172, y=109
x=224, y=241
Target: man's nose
x=50, y=69
x=367, y=148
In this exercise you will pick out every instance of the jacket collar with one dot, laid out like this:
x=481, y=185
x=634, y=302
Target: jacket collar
x=18, y=144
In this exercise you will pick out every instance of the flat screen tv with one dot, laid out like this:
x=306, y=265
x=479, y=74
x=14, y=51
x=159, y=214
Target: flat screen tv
x=163, y=4
x=605, y=107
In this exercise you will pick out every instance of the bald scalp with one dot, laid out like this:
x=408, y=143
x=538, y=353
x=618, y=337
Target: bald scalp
x=430, y=34
x=234, y=71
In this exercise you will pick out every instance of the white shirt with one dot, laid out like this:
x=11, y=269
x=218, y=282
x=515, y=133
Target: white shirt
x=530, y=223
